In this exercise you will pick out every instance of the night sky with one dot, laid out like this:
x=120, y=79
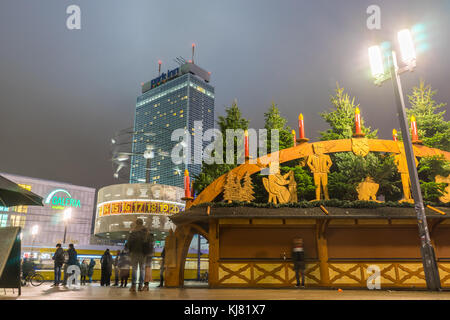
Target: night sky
x=64, y=93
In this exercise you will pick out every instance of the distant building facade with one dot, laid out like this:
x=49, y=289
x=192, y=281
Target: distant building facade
x=172, y=101
x=57, y=196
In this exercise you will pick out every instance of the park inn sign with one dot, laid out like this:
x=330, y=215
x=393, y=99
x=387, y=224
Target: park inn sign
x=61, y=199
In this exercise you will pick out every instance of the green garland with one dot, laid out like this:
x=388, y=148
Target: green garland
x=333, y=203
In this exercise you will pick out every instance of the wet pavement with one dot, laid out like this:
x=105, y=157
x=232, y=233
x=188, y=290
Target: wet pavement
x=199, y=291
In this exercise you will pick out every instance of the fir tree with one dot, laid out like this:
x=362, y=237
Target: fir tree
x=348, y=169
x=274, y=121
x=432, y=128
x=342, y=118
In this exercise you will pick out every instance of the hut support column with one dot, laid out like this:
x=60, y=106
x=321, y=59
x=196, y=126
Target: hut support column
x=322, y=250
x=213, y=253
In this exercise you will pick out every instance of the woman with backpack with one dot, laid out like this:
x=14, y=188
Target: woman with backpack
x=106, y=263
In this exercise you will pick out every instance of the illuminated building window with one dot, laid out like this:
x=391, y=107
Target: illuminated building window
x=181, y=116
x=17, y=221
x=3, y=220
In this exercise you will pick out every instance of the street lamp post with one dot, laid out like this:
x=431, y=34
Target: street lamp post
x=409, y=58
x=66, y=218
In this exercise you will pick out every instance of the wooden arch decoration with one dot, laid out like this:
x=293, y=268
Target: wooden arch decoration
x=305, y=149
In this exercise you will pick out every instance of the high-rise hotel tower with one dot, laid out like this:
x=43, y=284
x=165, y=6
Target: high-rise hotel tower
x=171, y=101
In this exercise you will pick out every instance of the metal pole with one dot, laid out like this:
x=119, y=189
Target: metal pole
x=65, y=232
x=147, y=171
x=428, y=256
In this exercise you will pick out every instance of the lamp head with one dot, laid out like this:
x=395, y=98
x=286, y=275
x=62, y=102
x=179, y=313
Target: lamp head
x=407, y=47
x=376, y=62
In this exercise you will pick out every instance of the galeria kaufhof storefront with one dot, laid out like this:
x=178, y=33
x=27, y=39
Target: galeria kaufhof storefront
x=57, y=196
x=118, y=207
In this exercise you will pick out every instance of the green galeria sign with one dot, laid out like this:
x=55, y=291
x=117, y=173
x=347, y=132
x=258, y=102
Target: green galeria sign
x=61, y=199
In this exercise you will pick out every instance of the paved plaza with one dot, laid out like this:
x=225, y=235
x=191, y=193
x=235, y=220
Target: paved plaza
x=194, y=291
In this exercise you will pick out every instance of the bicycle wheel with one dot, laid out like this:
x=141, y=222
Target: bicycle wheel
x=37, y=279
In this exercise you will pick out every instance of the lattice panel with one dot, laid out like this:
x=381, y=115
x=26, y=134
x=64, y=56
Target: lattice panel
x=444, y=274
x=391, y=274
x=261, y=274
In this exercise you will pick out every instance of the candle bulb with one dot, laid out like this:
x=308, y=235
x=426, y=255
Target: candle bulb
x=301, y=126
x=187, y=191
x=294, y=137
x=394, y=135
x=246, y=144
x=415, y=136
x=357, y=122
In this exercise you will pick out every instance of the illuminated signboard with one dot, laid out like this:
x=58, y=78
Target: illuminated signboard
x=139, y=206
x=164, y=77
x=61, y=199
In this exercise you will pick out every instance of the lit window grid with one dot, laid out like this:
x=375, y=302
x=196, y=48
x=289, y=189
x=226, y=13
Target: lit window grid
x=148, y=118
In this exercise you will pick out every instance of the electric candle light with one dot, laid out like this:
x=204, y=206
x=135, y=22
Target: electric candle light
x=394, y=135
x=246, y=144
x=414, y=135
x=358, y=132
x=294, y=137
x=301, y=126
x=187, y=190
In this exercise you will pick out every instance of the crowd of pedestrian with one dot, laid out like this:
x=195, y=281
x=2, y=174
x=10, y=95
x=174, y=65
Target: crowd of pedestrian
x=136, y=255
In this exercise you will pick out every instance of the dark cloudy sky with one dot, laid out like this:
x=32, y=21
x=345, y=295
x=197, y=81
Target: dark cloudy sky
x=64, y=93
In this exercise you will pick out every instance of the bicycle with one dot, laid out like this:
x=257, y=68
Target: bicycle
x=34, y=278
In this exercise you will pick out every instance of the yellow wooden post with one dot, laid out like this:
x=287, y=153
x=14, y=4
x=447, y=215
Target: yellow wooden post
x=213, y=253
x=322, y=251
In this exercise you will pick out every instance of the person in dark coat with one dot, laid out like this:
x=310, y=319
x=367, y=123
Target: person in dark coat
x=136, y=243
x=72, y=260
x=161, y=268
x=298, y=258
x=58, y=258
x=124, y=267
x=91, y=269
x=106, y=263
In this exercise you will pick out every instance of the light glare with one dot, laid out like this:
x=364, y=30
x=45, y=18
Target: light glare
x=407, y=48
x=376, y=61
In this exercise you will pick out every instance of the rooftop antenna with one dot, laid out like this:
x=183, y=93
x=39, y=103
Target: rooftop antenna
x=193, y=49
x=180, y=60
x=159, y=67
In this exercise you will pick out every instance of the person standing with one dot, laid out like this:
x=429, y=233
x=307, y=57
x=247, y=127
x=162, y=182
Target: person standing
x=116, y=269
x=135, y=245
x=83, y=271
x=71, y=261
x=298, y=257
x=124, y=266
x=148, y=251
x=106, y=263
x=58, y=261
x=91, y=269
x=161, y=268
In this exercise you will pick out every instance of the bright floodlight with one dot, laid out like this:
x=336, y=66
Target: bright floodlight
x=67, y=214
x=34, y=230
x=407, y=48
x=376, y=61
x=113, y=141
